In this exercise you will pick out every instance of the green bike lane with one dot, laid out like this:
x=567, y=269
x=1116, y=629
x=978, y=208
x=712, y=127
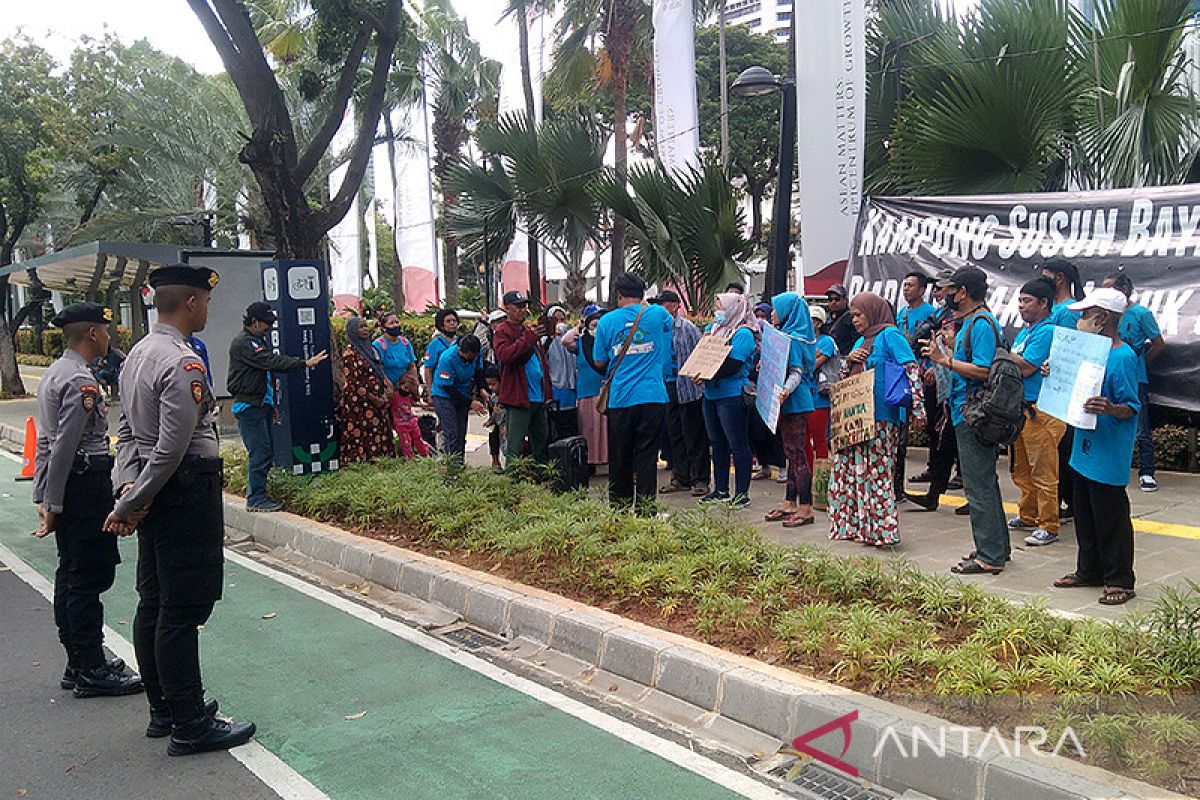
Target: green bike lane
x=361, y=712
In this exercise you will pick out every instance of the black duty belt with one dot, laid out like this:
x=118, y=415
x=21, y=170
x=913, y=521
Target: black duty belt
x=200, y=465
x=85, y=463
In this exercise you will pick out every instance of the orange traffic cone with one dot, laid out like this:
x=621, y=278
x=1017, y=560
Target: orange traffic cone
x=30, y=450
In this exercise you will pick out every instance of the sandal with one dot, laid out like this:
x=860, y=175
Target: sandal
x=797, y=521
x=1072, y=581
x=975, y=567
x=1115, y=596
x=776, y=514
x=673, y=487
x=974, y=554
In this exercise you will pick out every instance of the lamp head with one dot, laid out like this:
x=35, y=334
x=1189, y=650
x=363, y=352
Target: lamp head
x=754, y=82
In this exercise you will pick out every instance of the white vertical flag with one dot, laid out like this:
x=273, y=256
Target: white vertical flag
x=416, y=239
x=831, y=96
x=676, y=115
x=345, y=247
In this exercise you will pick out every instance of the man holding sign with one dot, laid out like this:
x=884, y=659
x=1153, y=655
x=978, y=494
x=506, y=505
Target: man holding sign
x=1101, y=458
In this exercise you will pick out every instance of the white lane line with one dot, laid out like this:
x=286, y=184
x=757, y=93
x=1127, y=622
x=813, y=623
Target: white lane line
x=670, y=751
x=268, y=767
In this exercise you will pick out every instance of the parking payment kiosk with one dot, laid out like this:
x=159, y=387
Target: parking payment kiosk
x=305, y=433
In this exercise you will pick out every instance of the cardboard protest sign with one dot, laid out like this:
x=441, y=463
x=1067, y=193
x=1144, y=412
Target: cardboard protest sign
x=1077, y=362
x=852, y=416
x=706, y=359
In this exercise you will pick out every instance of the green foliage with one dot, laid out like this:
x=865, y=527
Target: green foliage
x=53, y=342
x=417, y=328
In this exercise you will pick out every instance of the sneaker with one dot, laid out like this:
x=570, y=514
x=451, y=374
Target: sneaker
x=1148, y=483
x=1018, y=524
x=714, y=497
x=103, y=681
x=267, y=507
x=1040, y=536
x=739, y=501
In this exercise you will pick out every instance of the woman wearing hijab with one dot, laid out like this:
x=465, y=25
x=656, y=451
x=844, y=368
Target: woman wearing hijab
x=592, y=425
x=363, y=410
x=793, y=319
x=725, y=413
x=862, y=499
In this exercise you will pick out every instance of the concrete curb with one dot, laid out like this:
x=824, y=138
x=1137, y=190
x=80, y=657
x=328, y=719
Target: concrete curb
x=777, y=702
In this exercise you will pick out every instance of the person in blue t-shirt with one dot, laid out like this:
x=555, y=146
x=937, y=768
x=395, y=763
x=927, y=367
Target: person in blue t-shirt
x=445, y=321
x=725, y=413
x=593, y=426
x=819, y=385
x=1068, y=289
x=974, y=347
x=862, y=500
x=1140, y=331
x=916, y=309
x=637, y=392
x=1035, y=453
x=1101, y=459
x=791, y=315
x=394, y=348
x=455, y=380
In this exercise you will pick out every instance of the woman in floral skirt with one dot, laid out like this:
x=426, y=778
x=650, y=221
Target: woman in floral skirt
x=364, y=403
x=862, y=499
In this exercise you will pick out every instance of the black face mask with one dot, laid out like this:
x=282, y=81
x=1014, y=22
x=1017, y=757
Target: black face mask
x=393, y=332
x=951, y=303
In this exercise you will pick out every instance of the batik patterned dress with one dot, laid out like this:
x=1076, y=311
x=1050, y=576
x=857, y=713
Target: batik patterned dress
x=364, y=430
x=862, y=496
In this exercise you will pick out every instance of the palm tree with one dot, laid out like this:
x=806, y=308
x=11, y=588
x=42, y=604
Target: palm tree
x=540, y=176
x=685, y=230
x=465, y=83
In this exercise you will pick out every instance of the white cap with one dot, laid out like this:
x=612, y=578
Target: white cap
x=818, y=313
x=497, y=315
x=1105, y=297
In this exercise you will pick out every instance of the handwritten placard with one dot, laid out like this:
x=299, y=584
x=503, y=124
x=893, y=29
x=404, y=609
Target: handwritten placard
x=852, y=415
x=706, y=359
x=772, y=373
x=1077, y=362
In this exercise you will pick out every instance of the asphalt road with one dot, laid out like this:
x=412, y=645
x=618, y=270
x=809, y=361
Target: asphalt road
x=54, y=746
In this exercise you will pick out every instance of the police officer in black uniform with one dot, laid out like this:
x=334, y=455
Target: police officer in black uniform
x=169, y=474
x=73, y=492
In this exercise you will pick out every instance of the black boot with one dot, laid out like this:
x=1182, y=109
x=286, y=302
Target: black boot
x=925, y=502
x=161, y=720
x=104, y=681
x=205, y=734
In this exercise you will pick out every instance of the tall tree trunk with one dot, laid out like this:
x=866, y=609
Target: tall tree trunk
x=10, y=374
x=756, y=199
x=397, y=266
x=450, y=267
x=621, y=161
x=575, y=286
x=535, y=271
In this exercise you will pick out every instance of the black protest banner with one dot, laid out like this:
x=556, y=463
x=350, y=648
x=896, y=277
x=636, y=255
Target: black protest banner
x=1152, y=234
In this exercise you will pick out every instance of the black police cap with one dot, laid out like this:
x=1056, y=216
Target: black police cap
x=83, y=312
x=184, y=275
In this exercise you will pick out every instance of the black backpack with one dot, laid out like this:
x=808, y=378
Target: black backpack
x=995, y=412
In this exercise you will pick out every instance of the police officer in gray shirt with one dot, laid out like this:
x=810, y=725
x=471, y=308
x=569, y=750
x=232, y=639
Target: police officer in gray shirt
x=73, y=492
x=169, y=474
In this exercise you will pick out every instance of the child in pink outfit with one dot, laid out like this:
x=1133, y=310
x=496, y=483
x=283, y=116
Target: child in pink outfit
x=404, y=421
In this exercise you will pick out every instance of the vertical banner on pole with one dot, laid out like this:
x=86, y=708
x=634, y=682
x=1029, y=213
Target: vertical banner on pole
x=676, y=114
x=416, y=240
x=304, y=435
x=831, y=88
x=345, y=245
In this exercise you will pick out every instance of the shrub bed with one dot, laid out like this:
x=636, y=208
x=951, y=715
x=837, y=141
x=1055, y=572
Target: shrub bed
x=929, y=641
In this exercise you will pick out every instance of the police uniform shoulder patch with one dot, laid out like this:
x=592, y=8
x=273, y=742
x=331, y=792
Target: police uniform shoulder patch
x=194, y=365
x=89, y=395
x=197, y=391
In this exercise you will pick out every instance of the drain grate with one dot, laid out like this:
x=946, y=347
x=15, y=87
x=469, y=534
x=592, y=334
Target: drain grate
x=831, y=786
x=469, y=638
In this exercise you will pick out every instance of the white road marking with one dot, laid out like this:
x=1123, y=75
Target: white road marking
x=268, y=767
x=670, y=751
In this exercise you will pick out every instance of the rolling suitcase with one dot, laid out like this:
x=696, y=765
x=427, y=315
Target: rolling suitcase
x=570, y=459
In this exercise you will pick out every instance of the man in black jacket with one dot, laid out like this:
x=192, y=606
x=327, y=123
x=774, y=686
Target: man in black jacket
x=251, y=382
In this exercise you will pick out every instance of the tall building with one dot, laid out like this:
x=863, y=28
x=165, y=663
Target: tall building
x=772, y=17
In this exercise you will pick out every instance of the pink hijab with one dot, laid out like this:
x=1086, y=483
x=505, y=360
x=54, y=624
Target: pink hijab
x=738, y=314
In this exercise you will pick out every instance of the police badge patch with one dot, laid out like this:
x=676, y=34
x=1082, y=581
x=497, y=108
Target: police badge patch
x=197, y=391
x=89, y=401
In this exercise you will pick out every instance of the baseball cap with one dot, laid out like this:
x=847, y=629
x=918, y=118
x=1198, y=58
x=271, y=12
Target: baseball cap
x=666, y=296
x=945, y=278
x=590, y=309
x=819, y=314
x=496, y=315
x=837, y=289
x=260, y=311
x=1105, y=297
x=973, y=279
x=515, y=298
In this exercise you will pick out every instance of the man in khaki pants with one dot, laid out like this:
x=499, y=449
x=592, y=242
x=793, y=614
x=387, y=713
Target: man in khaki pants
x=1035, y=453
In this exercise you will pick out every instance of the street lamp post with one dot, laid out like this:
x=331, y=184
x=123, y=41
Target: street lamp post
x=754, y=82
